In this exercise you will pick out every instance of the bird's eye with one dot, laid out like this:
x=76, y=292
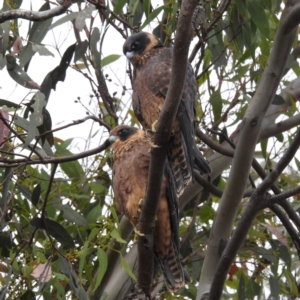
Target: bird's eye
x=122, y=131
x=135, y=45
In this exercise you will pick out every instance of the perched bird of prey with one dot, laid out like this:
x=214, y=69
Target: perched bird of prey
x=152, y=64
x=131, y=160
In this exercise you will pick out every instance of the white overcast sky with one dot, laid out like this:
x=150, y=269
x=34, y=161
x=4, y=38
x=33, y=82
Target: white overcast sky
x=61, y=104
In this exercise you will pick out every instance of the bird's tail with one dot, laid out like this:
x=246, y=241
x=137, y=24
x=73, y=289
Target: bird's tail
x=201, y=163
x=172, y=269
x=179, y=163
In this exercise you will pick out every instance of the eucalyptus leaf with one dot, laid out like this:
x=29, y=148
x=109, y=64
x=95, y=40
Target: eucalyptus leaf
x=109, y=59
x=37, y=33
x=69, y=17
x=83, y=15
x=102, y=258
x=42, y=50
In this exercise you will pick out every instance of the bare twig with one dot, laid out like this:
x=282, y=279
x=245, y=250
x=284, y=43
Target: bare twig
x=47, y=160
x=32, y=15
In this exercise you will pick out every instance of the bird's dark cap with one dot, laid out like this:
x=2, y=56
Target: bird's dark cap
x=140, y=43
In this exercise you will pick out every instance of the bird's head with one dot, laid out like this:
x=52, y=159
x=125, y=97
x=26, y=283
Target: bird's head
x=122, y=133
x=139, y=44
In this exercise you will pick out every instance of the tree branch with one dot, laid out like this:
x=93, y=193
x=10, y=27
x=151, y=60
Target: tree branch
x=32, y=15
x=51, y=160
x=210, y=279
x=161, y=138
x=258, y=201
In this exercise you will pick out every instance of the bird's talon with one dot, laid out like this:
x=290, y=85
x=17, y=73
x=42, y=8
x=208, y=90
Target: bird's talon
x=137, y=232
x=152, y=145
x=153, y=126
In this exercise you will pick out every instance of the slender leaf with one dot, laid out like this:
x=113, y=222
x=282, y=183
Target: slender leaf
x=42, y=50
x=102, y=258
x=109, y=59
x=69, y=17
x=258, y=16
x=36, y=195
x=119, y=6
x=83, y=15
x=69, y=213
x=37, y=33
x=66, y=268
x=8, y=103
x=18, y=75
x=275, y=287
x=127, y=268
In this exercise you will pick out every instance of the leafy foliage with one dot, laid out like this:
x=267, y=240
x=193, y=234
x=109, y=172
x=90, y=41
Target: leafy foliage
x=59, y=218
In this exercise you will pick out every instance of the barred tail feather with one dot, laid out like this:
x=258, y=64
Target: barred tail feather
x=172, y=269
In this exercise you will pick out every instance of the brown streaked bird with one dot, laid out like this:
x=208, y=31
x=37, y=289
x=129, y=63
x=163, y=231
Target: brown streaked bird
x=131, y=160
x=152, y=64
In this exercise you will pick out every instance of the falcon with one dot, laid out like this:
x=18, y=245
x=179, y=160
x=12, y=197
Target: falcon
x=131, y=160
x=152, y=64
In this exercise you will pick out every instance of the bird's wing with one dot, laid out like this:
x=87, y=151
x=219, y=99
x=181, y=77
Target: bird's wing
x=130, y=174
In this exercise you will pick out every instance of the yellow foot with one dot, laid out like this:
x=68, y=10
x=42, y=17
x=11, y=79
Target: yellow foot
x=153, y=126
x=137, y=232
x=152, y=146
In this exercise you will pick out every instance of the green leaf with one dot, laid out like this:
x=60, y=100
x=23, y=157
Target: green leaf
x=278, y=100
x=58, y=73
x=80, y=50
x=73, y=169
x=152, y=16
x=4, y=32
x=291, y=282
x=37, y=33
x=36, y=195
x=95, y=38
x=119, y=6
x=102, y=258
x=54, y=229
x=258, y=16
x=5, y=244
x=60, y=290
x=241, y=288
x=25, y=191
x=275, y=287
x=216, y=102
x=279, y=137
x=97, y=188
x=69, y=17
x=28, y=295
x=83, y=15
x=206, y=213
x=82, y=257
x=8, y=103
x=127, y=268
x=115, y=234
x=18, y=75
x=252, y=289
x=94, y=214
x=66, y=268
x=69, y=213
x=109, y=59
x=297, y=163
x=282, y=250
x=147, y=4
x=42, y=50
x=264, y=145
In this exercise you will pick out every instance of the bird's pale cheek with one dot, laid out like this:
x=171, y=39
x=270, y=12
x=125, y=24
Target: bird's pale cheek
x=112, y=138
x=129, y=55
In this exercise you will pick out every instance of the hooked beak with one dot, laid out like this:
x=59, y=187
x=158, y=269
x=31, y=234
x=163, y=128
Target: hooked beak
x=112, y=138
x=129, y=54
